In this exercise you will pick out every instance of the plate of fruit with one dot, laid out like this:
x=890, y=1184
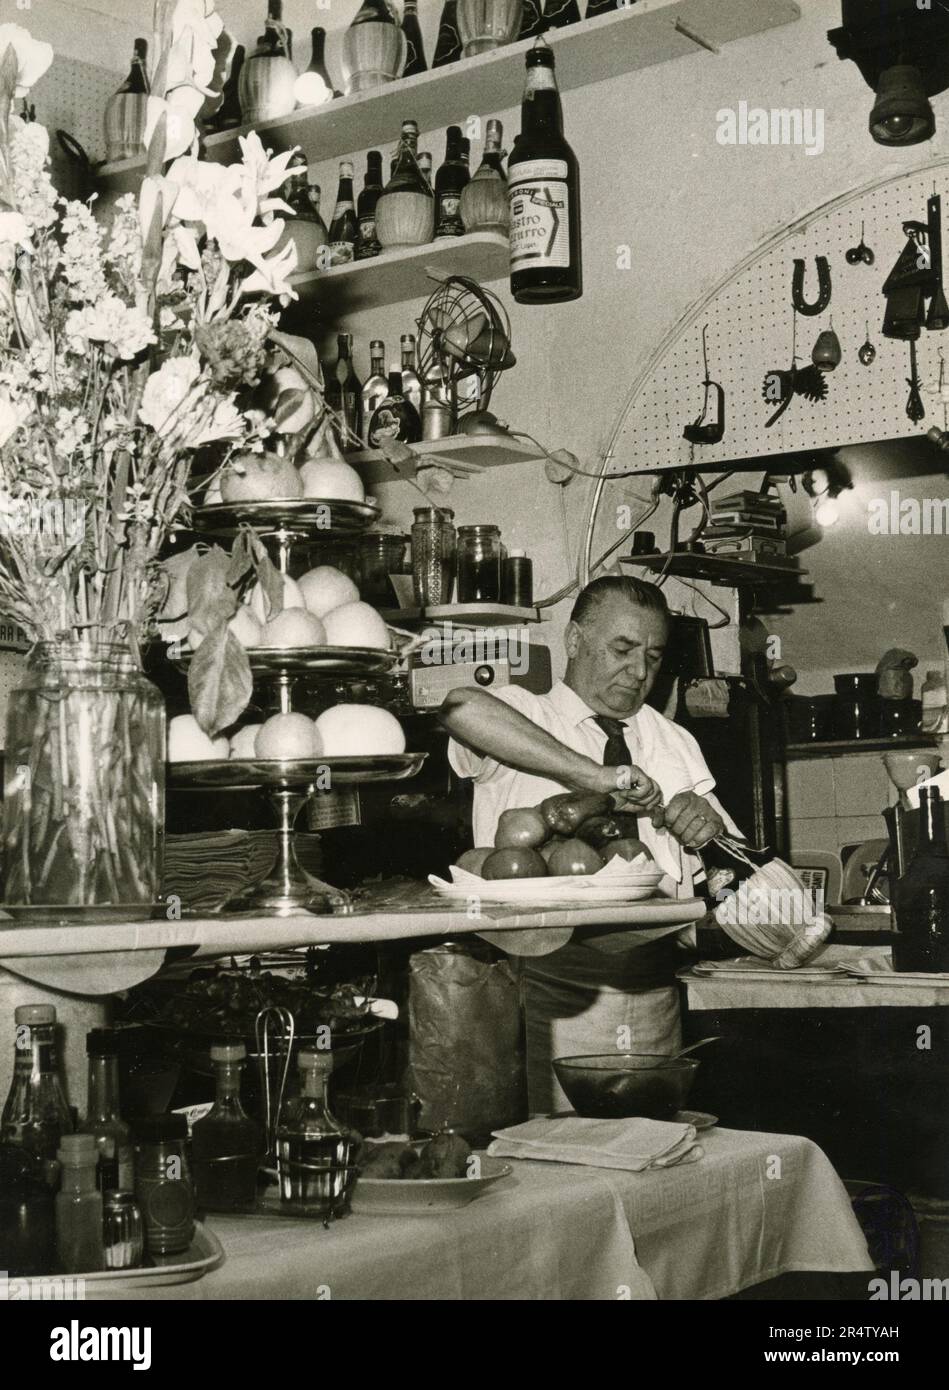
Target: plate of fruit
x=399, y=1176
x=572, y=846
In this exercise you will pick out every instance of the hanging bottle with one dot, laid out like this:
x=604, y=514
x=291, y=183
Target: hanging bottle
x=126, y=110
x=559, y=13
x=344, y=395
x=374, y=48
x=405, y=212
x=484, y=206
x=376, y=386
x=316, y=1155
x=448, y=43
x=450, y=181
x=543, y=193
x=36, y=1115
x=314, y=86
x=268, y=77
x=103, y=1118
x=411, y=383
x=79, y=1246
x=415, y=51
x=921, y=896
x=532, y=19
x=367, y=243
x=595, y=7
x=306, y=228
x=226, y=1142
x=484, y=27
x=343, y=228
x=396, y=418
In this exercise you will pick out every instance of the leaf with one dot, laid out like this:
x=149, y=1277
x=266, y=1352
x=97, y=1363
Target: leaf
x=157, y=147
x=271, y=581
x=242, y=555
x=288, y=403
x=9, y=68
x=219, y=682
x=303, y=355
x=211, y=600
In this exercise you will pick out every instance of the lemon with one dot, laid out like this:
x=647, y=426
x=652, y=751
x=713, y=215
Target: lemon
x=355, y=625
x=294, y=627
x=242, y=743
x=359, y=731
x=262, y=478
x=326, y=588
x=291, y=736
x=188, y=743
x=331, y=479
x=292, y=598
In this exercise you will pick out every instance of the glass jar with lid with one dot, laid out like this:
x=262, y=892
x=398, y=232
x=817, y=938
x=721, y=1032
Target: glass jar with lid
x=433, y=555
x=381, y=554
x=479, y=564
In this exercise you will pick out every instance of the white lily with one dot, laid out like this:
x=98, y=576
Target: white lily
x=180, y=129
x=13, y=414
x=201, y=187
x=32, y=55
x=272, y=276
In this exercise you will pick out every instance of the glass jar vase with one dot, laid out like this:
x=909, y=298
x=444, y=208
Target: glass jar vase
x=83, y=810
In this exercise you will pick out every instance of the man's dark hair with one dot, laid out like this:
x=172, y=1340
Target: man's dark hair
x=638, y=591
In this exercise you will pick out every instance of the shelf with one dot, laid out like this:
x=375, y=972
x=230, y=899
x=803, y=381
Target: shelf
x=837, y=748
x=719, y=569
x=463, y=615
x=395, y=276
x=612, y=45
x=461, y=454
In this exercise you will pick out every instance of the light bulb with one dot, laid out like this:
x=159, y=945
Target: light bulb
x=310, y=89
x=826, y=512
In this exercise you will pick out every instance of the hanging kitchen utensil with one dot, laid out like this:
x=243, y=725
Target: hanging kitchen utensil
x=802, y=305
x=860, y=253
x=783, y=386
x=917, y=276
x=867, y=352
x=826, y=353
x=705, y=430
x=914, y=404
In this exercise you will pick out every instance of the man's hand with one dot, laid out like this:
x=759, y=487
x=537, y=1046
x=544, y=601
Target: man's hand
x=632, y=789
x=691, y=820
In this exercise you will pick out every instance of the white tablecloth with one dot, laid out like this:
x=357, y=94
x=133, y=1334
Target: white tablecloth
x=756, y=1206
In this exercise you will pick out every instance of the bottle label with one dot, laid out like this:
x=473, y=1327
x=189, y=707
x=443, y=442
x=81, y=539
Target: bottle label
x=540, y=215
x=367, y=230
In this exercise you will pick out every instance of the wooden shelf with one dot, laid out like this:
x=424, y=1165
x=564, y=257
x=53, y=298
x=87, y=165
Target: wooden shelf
x=650, y=32
x=395, y=276
x=836, y=748
x=719, y=569
x=461, y=454
x=463, y=615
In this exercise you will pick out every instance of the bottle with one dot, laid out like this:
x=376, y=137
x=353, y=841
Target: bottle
x=484, y=206
x=425, y=166
x=532, y=19
x=315, y=1153
x=408, y=137
x=935, y=703
x=411, y=384
x=126, y=110
x=36, y=1115
x=376, y=386
x=543, y=193
x=311, y=83
x=479, y=564
x=595, y=7
x=228, y=114
x=415, y=54
x=396, y=418
x=405, y=212
x=27, y=1214
x=448, y=43
x=921, y=896
x=344, y=395
x=306, y=228
x=103, y=1119
x=268, y=77
x=226, y=1143
x=449, y=183
x=517, y=580
x=559, y=13
x=163, y=1188
x=367, y=243
x=79, y=1245
x=343, y=228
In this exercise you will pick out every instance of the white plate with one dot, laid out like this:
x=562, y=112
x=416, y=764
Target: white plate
x=424, y=1196
x=611, y=884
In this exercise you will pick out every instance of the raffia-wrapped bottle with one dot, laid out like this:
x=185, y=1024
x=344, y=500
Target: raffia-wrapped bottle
x=126, y=109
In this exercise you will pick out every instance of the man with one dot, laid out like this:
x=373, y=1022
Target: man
x=593, y=732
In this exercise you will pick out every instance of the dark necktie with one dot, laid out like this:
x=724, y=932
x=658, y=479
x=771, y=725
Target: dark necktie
x=616, y=753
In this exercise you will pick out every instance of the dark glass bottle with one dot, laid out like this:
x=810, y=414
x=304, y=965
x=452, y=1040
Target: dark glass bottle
x=373, y=12
x=921, y=896
x=228, y=114
x=411, y=382
x=126, y=110
x=376, y=386
x=415, y=52
x=367, y=243
x=318, y=59
x=409, y=137
x=137, y=80
x=226, y=1143
x=450, y=181
x=425, y=166
x=559, y=13
x=103, y=1119
x=595, y=7
x=448, y=43
x=532, y=19
x=396, y=418
x=484, y=201
x=406, y=176
x=343, y=228
x=344, y=394
x=544, y=193
x=36, y=1115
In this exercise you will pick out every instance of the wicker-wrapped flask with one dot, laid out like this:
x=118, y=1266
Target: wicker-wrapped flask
x=126, y=109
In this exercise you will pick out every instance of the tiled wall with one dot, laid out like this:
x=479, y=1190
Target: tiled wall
x=836, y=801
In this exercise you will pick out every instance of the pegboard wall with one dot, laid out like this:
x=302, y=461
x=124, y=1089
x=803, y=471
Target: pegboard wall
x=750, y=325
x=72, y=96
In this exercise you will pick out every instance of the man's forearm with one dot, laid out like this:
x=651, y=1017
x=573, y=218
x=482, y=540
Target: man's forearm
x=491, y=727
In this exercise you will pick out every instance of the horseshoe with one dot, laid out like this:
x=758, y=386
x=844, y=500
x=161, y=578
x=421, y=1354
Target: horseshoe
x=823, y=286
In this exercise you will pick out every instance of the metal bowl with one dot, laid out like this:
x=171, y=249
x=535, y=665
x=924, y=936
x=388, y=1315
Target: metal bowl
x=615, y=1085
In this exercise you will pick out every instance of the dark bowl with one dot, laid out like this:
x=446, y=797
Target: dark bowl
x=616, y=1085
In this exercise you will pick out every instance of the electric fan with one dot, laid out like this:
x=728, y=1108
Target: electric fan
x=464, y=344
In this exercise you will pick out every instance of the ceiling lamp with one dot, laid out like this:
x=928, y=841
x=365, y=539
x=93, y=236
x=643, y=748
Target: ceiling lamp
x=902, y=51
x=824, y=486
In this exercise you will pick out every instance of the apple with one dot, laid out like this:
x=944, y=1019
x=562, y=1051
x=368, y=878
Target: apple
x=473, y=859
x=522, y=826
x=514, y=863
x=574, y=857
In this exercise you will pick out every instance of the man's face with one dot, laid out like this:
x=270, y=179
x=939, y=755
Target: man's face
x=615, y=655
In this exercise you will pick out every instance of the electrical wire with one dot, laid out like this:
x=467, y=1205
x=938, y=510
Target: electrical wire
x=726, y=617
x=574, y=583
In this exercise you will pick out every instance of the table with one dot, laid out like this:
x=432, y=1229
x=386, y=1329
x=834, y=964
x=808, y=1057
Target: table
x=754, y=1207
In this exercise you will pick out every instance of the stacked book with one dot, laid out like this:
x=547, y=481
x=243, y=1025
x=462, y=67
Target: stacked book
x=749, y=525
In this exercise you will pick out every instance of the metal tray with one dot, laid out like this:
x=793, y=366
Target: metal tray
x=310, y=517
x=204, y=1254
x=290, y=773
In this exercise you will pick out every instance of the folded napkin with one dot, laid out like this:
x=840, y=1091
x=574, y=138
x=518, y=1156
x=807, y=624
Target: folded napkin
x=208, y=869
x=632, y=1144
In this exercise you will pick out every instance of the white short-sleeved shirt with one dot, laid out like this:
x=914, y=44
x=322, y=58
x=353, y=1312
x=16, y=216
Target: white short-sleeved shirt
x=665, y=752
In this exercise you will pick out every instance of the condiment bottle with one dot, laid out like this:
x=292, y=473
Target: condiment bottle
x=226, y=1143
x=479, y=564
x=517, y=580
x=103, y=1120
x=316, y=1154
x=163, y=1186
x=27, y=1219
x=36, y=1115
x=123, y=1231
x=921, y=896
x=79, y=1247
